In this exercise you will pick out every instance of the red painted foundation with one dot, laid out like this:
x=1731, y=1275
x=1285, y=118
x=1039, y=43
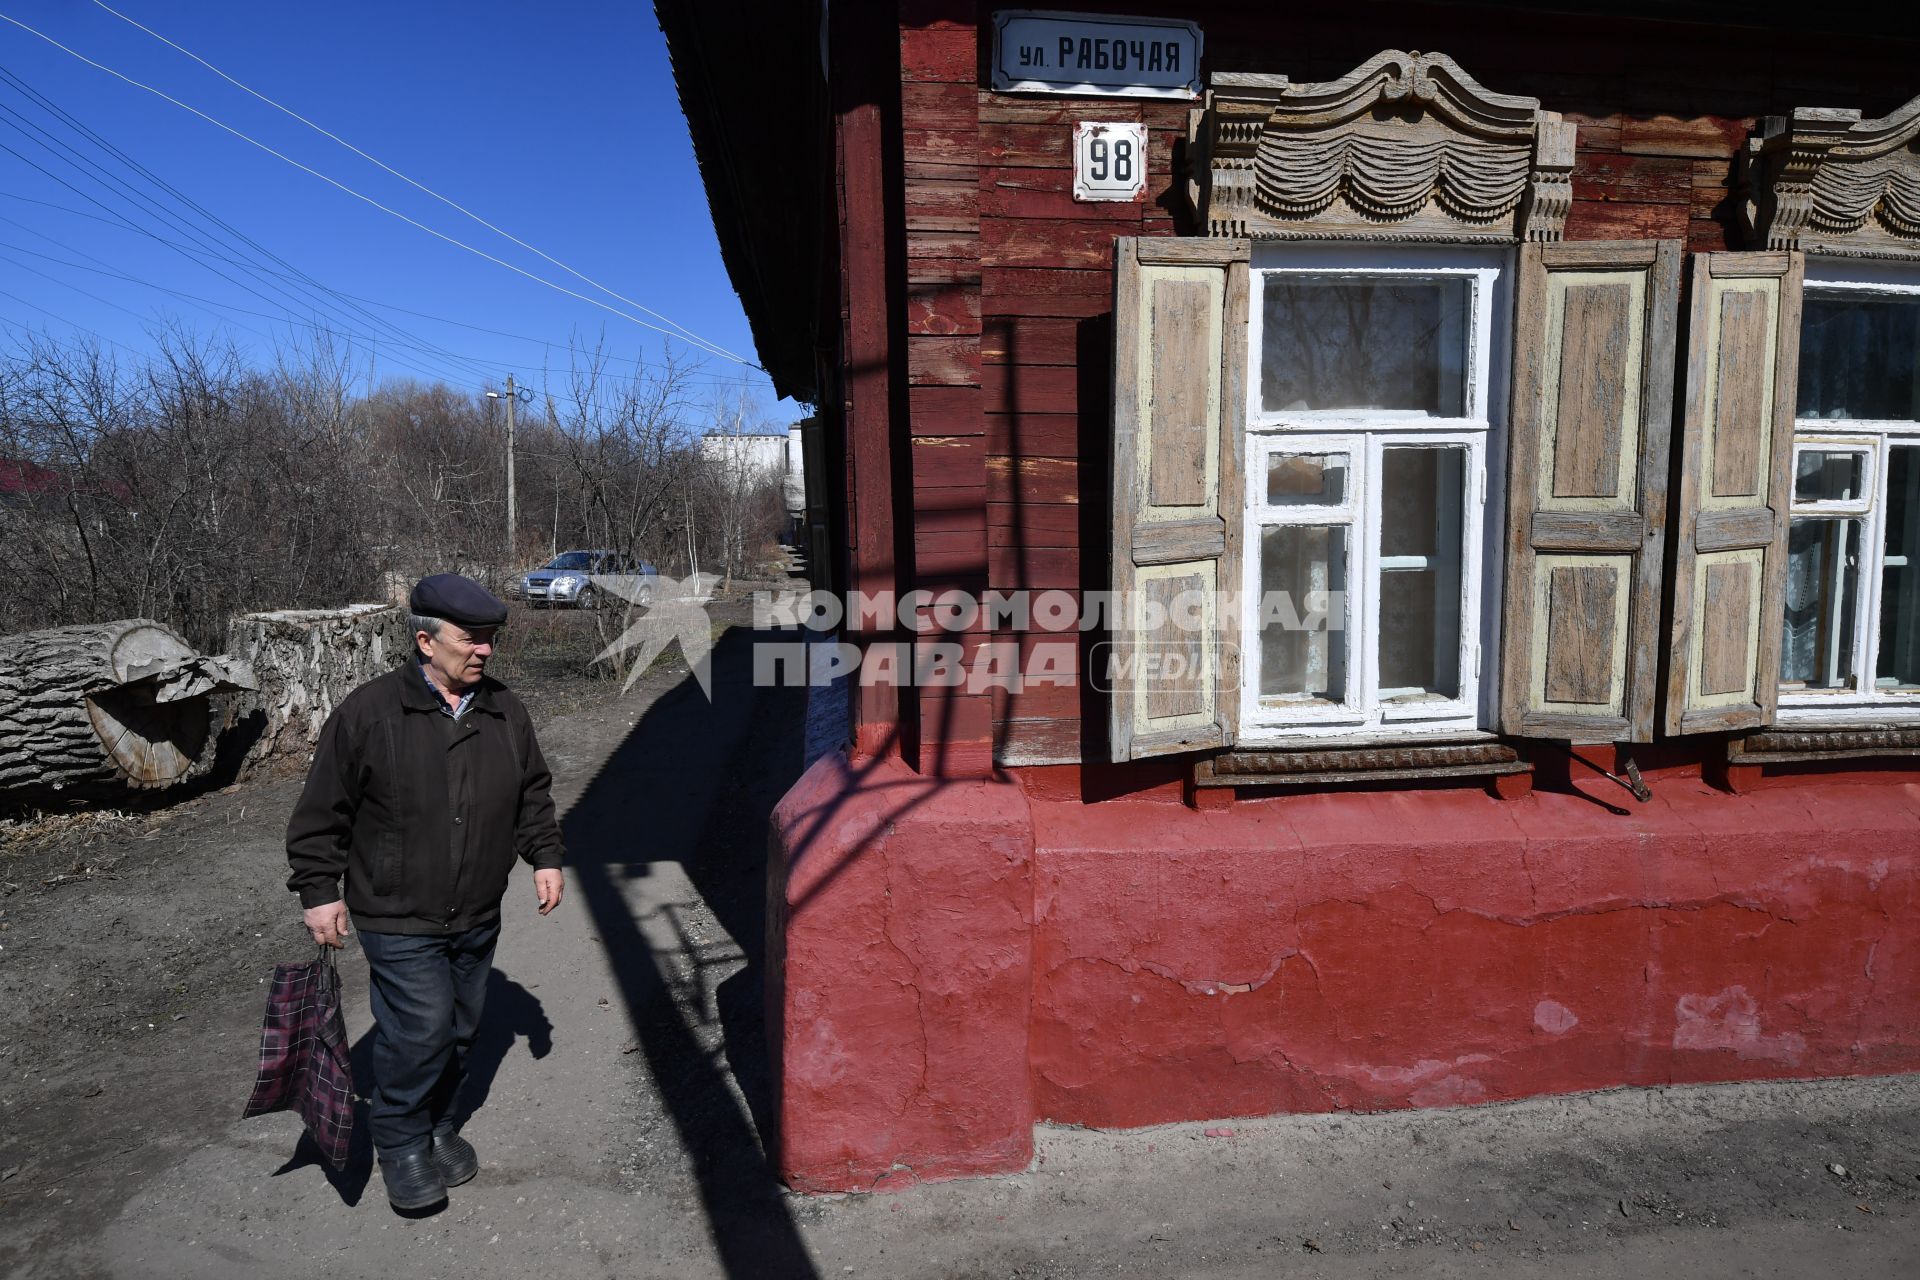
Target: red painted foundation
x=956, y=960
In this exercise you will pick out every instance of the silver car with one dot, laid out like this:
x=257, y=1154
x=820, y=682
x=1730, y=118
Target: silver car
x=566, y=581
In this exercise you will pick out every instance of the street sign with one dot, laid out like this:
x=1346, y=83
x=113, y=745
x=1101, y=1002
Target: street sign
x=1109, y=161
x=1099, y=55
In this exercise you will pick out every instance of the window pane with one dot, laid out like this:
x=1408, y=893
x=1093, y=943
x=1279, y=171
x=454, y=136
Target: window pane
x=1823, y=476
x=1823, y=571
x=1858, y=356
x=1421, y=497
x=1306, y=479
x=1303, y=584
x=1360, y=344
x=1898, y=666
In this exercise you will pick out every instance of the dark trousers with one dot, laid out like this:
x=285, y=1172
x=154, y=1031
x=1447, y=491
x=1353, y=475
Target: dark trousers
x=426, y=993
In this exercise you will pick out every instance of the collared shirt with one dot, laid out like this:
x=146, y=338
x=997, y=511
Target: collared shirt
x=440, y=698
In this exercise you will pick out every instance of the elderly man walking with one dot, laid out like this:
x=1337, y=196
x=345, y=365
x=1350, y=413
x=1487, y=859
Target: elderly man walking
x=425, y=784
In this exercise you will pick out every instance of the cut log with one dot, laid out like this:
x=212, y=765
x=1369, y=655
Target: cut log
x=107, y=706
x=304, y=662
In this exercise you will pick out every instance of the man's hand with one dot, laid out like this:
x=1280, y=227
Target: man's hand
x=548, y=885
x=328, y=924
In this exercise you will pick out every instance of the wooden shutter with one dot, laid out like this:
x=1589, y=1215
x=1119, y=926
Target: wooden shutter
x=1587, y=492
x=1180, y=320
x=1729, y=571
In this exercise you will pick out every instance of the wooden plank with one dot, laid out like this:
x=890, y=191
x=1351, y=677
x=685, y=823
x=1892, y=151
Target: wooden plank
x=1026, y=194
x=1731, y=530
x=1178, y=541
x=1727, y=626
x=1035, y=525
x=1749, y=266
x=1184, y=374
x=1601, y=531
x=936, y=308
x=1580, y=632
x=1033, y=480
x=1635, y=179
x=1083, y=245
x=939, y=105
x=1706, y=236
x=1742, y=395
x=1716, y=136
x=1610, y=220
x=1194, y=252
x=943, y=361
x=1025, y=742
x=1594, y=133
x=943, y=244
x=948, y=204
x=939, y=54
x=1000, y=109
x=1015, y=146
x=957, y=150
x=1619, y=256
x=946, y=411
x=1009, y=291
x=1030, y=340
x=1176, y=688
x=1033, y=435
x=941, y=462
x=1596, y=328
x=1035, y=567
x=1019, y=388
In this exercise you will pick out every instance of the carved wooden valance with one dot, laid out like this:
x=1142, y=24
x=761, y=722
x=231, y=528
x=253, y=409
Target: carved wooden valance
x=1405, y=146
x=1825, y=180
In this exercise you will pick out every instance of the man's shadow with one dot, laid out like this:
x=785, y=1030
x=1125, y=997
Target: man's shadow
x=511, y=1012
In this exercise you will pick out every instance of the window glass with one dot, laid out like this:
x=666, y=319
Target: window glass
x=1823, y=571
x=1858, y=357
x=1359, y=344
x=1303, y=574
x=1898, y=666
x=1420, y=553
x=1827, y=475
x=1297, y=479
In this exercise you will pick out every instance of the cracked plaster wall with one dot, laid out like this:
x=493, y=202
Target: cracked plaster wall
x=1429, y=948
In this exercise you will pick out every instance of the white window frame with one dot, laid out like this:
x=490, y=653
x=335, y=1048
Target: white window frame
x=1362, y=435
x=1866, y=703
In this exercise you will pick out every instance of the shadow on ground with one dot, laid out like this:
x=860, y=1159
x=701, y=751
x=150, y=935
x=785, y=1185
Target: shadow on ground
x=694, y=783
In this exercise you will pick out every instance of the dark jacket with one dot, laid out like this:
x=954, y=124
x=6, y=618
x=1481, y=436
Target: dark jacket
x=423, y=814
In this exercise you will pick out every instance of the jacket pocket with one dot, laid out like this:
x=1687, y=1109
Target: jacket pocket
x=387, y=865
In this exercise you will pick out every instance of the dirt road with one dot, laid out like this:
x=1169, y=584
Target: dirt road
x=621, y=1090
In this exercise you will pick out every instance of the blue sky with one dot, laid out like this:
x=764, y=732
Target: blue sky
x=557, y=122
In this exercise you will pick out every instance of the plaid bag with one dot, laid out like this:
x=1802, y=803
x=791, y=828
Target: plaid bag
x=303, y=1054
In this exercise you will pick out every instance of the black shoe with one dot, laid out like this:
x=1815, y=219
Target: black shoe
x=455, y=1158
x=413, y=1180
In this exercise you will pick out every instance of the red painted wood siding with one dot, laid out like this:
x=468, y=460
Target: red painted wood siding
x=1010, y=279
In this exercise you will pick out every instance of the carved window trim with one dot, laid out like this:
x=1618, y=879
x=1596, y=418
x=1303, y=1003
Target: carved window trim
x=1825, y=181
x=1801, y=744
x=1407, y=146
x=1471, y=756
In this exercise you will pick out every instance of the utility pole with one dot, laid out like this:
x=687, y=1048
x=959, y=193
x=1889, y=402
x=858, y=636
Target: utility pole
x=510, y=399
x=511, y=395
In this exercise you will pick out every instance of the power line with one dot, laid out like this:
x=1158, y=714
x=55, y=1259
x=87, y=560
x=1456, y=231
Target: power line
x=692, y=374
x=99, y=174
x=391, y=212
x=420, y=186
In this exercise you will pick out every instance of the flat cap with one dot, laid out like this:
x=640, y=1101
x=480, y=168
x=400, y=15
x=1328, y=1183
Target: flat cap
x=457, y=599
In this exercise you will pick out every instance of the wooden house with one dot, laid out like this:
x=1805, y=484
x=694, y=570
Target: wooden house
x=1424, y=504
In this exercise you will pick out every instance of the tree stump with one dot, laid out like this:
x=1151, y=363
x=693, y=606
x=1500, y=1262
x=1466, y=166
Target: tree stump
x=93, y=709
x=304, y=662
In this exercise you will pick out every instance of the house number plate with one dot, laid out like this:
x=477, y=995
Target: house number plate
x=1109, y=161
